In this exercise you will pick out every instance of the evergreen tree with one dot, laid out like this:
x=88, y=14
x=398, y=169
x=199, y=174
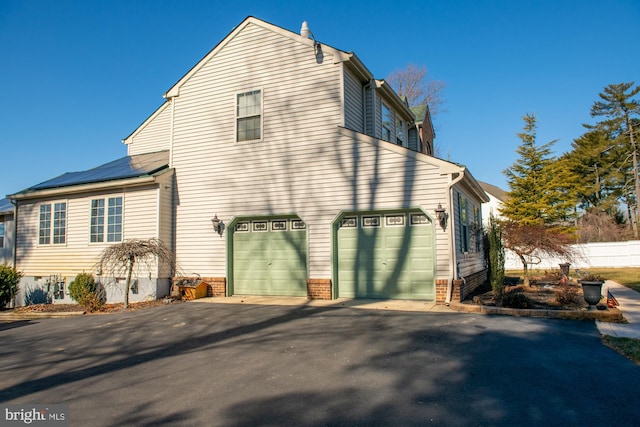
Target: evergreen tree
x=595, y=171
x=536, y=195
x=620, y=109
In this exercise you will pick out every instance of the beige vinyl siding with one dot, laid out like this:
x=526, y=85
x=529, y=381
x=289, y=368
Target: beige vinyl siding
x=78, y=254
x=153, y=135
x=353, y=102
x=214, y=174
x=295, y=182
x=305, y=164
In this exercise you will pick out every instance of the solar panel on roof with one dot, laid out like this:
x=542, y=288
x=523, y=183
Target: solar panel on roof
x=125, y=167
x=5, y=205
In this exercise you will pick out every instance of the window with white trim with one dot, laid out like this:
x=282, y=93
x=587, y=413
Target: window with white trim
x=52, y=226
x=2, y=231
x=249, y=116
x=387, y=123
x=464, y=223
x=401, y=136
x=107, y=212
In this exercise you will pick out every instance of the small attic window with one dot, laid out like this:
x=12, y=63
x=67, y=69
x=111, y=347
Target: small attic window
x=249, y=116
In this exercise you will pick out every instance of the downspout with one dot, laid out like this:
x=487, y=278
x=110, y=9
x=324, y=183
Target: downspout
x=453, y=267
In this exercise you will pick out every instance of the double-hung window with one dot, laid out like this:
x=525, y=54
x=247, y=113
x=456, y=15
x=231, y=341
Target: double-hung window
x=2, y=231
x=53, y=224
x=387, y=123
x=464, y=223
x=249, y=116
x=106, y=220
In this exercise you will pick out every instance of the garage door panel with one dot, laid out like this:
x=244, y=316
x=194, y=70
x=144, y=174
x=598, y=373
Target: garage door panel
x=394, y=260
x=272, y=262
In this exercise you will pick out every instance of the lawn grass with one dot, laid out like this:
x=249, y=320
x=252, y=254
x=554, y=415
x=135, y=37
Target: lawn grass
x=628, y=347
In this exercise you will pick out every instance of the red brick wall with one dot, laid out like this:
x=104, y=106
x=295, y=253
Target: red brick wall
x=319, y=288
x=441, y=290
x=461, y=288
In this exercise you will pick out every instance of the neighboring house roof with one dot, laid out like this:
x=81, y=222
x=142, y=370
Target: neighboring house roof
x=496, y=192
x=5, y=206
x=123, y=168
x=419, y=111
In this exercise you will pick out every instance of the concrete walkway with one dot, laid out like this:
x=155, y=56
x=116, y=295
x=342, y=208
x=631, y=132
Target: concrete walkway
x=396, y=305
x=629, y=301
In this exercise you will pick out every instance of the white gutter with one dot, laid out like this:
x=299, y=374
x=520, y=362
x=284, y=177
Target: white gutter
x=454, y=261
x=81, y=188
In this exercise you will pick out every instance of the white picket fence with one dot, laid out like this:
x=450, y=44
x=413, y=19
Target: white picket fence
x=605, y=254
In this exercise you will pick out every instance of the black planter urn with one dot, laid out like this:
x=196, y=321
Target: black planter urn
x=592, y=290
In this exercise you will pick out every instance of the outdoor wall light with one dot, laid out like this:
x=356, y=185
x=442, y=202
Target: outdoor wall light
x=218, y=225
x=441, y=216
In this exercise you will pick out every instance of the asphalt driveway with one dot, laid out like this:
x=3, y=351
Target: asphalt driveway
x=246, y=365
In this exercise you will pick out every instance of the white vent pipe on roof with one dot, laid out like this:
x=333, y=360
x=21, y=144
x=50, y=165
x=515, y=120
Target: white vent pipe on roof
x=304, y=30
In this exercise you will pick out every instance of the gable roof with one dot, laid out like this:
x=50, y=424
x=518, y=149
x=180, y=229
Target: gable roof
x=496, y=192
x=123, y=168
x=349, y=58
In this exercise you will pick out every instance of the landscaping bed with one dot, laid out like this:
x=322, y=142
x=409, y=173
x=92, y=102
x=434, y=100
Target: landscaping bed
x=71, y=308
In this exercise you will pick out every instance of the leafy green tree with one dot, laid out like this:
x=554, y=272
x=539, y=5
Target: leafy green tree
x=536, y=195
x=620, y=109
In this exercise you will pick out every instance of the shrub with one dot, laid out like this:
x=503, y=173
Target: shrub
x=516, y=299
x=495, y=256
x=567, y=295
x=9, y=279
x=84, y=290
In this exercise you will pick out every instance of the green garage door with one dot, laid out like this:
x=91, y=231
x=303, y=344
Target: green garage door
x=386, y=255
x=270, y=257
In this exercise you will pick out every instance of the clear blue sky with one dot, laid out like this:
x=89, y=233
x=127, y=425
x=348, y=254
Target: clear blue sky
x=79, y=76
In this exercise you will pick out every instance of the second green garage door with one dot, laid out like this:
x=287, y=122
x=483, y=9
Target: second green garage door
x=270, y=257
x=386, y=255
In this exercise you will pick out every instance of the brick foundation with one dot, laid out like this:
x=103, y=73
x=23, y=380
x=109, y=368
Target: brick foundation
x=461, y=288
x=216, y=286
x=319, y=288
x=441, y=290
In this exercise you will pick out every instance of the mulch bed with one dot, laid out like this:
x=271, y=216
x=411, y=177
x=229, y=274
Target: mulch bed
x=543, y=295
x=68, y=308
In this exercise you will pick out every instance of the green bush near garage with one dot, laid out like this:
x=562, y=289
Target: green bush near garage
x=86, y=292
